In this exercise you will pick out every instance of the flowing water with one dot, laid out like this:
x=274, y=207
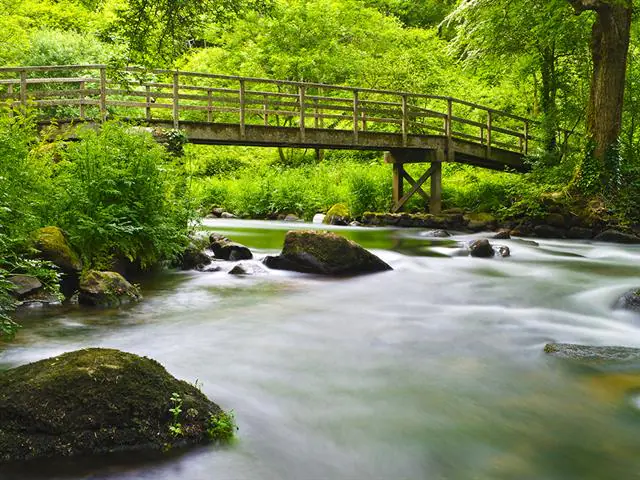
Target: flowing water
x=432, y=371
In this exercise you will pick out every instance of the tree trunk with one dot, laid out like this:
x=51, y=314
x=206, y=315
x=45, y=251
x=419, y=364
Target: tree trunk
x=609, y=49
x=548, y=95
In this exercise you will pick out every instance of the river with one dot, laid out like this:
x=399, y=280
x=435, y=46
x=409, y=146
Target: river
x=433, y=371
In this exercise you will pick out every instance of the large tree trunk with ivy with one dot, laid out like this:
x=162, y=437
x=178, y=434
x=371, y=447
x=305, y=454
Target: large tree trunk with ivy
x=548, y=93
x=609, y=49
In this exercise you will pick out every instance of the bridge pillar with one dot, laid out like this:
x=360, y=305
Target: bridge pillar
x=398, y=158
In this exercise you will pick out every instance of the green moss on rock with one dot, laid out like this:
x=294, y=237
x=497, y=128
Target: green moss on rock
x=106, y=289
x=97, y=401
x=337, y=215
x=54, y=246
x=324, y=253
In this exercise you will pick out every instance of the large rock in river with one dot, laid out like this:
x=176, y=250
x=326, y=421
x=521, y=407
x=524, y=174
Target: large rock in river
x=100, y=401
x=106, y=289
x=629, y=300
x=324, y=253
x=54, y=246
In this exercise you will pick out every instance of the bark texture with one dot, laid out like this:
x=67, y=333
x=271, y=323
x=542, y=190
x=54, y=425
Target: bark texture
x=609, y=50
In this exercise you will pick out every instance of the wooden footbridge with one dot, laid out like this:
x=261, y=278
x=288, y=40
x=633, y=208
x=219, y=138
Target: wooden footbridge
x=228, y=110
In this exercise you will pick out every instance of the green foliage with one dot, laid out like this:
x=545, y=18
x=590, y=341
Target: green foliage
x=265, y=189
x=222, y=426
x=175, y=427
x=121, y=196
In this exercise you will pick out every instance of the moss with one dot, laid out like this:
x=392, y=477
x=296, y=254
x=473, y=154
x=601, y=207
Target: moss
x=338, y=213
x=54, y=246
x=95, y=401
x=106, y=289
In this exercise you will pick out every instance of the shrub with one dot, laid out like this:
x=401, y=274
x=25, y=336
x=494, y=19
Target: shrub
x=121, y=196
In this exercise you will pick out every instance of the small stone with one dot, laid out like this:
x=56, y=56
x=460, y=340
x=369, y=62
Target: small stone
x=225, y=249
x=245, y=268
x=217, y=212
x=227, y=215
x=481, y=249
x=292, y=218
x=502, y=235
x=503, y=251
x=193, y=258
x=355, y=223
x=318, y=218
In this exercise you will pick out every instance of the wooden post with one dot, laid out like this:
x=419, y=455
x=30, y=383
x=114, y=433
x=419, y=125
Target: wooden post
x=481, y=135
x=398, y=178
x=405, y=122
x=103, y=94
x=356, y=108
x=316, y=120
x=265, y=109
x=526, y=137
x=435, y=202
x=10, y=95
x=301, y=95
x=147, y=109
x=364, y=121
x=176, y=103
x=489, y=120
x=241, y=98
x=449, y=132
x=209, y=107
x=23, y=90
x=81, y=98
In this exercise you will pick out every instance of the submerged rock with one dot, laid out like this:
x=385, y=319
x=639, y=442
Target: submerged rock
x=54, y=247
x=615, y=236
x=502, y=235
x=225, y=249
x=629, y=300
x=591, y=354
x=503, y=251
x=247, y=268
x=106, y=289
x=98, y=401
x=481, y=249
x=324, y=253
x=435, y=234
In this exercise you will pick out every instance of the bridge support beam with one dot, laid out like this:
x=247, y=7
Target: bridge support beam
x=398, y=158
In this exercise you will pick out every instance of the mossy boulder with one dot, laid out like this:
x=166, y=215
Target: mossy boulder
x=337, y=215
x=106, y=289
x=225, y=249
x=193, y=258
x=324, y=253
x=54, y=246
x=97, y=401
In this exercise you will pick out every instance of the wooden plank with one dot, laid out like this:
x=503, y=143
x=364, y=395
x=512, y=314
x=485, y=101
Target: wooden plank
x=355, y=116
x=416, y=186
x=413, y=183
x=63, y=93
x=489, y=122
x=242, y=107
x=103, y=94
x=23, y=89
x=435, y=202
x=301, y=93
x=48, y=80
x=176, y=100
x=405, y=121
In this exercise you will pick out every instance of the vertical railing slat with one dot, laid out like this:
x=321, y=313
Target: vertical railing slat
x=241, y=98
x=405, y=121
x=176, y=102
x=103, y=94
x=356, y=108
x=301, y=101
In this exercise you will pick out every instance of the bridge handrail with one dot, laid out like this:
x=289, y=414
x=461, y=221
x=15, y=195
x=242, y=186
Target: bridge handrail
x=402, y=112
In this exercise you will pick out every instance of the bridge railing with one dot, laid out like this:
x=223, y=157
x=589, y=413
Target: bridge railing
x=95, y=93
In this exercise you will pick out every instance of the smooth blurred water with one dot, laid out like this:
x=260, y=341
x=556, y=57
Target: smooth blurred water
x=432, y=371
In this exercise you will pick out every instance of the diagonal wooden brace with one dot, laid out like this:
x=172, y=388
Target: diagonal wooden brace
x=416, y=187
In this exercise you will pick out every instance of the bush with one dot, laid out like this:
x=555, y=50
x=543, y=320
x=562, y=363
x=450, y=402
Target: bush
x=120, y=195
